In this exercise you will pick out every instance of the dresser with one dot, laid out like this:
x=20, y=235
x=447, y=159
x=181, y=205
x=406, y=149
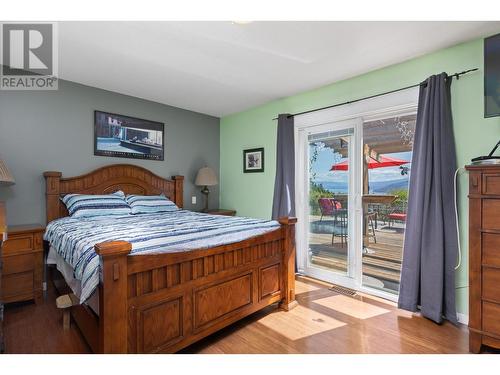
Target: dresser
x=484, y=257
x=22, y=257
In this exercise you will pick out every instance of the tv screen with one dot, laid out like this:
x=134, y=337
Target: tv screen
x=127, y=137
x=492, y=76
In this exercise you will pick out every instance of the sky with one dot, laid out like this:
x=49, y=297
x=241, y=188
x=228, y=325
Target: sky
x=326, y=158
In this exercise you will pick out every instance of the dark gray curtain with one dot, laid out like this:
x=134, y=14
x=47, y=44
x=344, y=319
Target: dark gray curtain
x=284, y=184
x=430, y=246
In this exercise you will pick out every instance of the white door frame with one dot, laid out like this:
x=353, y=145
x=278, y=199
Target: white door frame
x=350, y=115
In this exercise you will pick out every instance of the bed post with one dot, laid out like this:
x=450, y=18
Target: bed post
x=113, y=320
x=288, y=226
x=179, y=198
x=52, y=191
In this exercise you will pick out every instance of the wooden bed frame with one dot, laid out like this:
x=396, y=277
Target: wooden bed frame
x=162, y=303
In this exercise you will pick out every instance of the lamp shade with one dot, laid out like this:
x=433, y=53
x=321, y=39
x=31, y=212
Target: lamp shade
x=206, y=177
x=6, y=177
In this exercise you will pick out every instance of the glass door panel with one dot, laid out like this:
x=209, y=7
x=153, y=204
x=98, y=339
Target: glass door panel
x=387, y=152
x=329, y=191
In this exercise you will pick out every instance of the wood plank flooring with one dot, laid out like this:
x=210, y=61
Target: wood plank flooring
x=324, y=322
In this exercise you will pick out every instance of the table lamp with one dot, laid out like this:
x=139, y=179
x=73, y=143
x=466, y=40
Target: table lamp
x=206, y=177
x=6, y=177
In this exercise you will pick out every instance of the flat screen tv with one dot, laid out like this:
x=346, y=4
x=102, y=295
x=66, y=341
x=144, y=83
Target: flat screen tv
x=127, y=137
x=492, y=76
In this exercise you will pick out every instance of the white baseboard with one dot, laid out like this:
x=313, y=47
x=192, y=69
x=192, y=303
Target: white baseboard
x=463, y=318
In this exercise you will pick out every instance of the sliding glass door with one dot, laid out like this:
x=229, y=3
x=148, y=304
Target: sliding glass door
x=387, y=152
x=352, y=188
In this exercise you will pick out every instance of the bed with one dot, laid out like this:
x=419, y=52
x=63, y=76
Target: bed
x=166, y=297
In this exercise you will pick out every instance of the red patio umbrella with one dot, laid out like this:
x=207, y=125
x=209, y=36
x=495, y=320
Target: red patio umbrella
x=384, y=161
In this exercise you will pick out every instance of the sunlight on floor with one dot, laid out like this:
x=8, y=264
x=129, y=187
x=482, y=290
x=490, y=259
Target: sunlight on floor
x=351, y=306
x=299, y=323
x=301, y=287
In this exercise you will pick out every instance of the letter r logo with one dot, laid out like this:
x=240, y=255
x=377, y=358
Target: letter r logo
x=27, y=49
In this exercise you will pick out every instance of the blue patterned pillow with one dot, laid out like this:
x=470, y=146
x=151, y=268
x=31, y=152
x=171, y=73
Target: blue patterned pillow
x=82, y=205
x=145, y=204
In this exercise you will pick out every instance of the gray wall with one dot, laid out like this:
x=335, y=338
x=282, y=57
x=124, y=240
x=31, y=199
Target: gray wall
x=53, y=130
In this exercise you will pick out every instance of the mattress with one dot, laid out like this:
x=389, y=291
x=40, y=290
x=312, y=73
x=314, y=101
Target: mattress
x=73, y=239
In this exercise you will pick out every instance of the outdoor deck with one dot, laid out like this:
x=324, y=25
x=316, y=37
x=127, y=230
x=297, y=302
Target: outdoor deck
x=381, y=260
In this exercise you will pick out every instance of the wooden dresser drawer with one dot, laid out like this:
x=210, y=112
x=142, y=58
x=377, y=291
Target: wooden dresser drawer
x=491, y=284
x=491, y=249
x=491, y=320
x=491, y=184
x=490, y=213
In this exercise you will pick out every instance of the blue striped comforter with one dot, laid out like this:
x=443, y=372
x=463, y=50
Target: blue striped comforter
x=74, y=238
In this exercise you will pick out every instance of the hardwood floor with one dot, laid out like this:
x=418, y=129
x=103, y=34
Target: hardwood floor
x=324, y=322
x=31, y=328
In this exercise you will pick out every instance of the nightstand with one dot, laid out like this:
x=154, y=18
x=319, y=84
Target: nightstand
x=220, y=211
x=22, y=257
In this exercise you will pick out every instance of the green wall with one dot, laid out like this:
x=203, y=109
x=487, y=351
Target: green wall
x=251, y=194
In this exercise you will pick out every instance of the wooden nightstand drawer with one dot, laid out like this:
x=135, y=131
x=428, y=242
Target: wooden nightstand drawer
x=19, y=263
x=18, y=243
x=17, y=287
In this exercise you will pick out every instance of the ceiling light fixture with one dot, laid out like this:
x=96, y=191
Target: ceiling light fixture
x=241, y=22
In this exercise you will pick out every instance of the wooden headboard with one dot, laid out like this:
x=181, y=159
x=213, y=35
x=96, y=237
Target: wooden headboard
x=131, y=179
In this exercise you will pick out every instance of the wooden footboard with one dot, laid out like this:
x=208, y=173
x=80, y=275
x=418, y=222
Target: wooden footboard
x=162, y=303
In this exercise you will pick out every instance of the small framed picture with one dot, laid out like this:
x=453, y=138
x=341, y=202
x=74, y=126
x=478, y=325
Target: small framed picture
x=253, y=160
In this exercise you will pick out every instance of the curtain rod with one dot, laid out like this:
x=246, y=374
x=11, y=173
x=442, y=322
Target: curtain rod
x=456, y=75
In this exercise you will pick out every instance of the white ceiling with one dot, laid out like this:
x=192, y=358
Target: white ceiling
x=220, y=68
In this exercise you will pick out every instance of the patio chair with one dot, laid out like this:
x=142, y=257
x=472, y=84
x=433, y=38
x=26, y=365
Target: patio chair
x=329, y=207
x=397, y=216
x=332, y=207
x=340, y=227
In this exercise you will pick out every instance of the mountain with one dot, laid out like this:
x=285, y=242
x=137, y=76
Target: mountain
x=380, y=187
x=388, y=186
x=335, y=187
